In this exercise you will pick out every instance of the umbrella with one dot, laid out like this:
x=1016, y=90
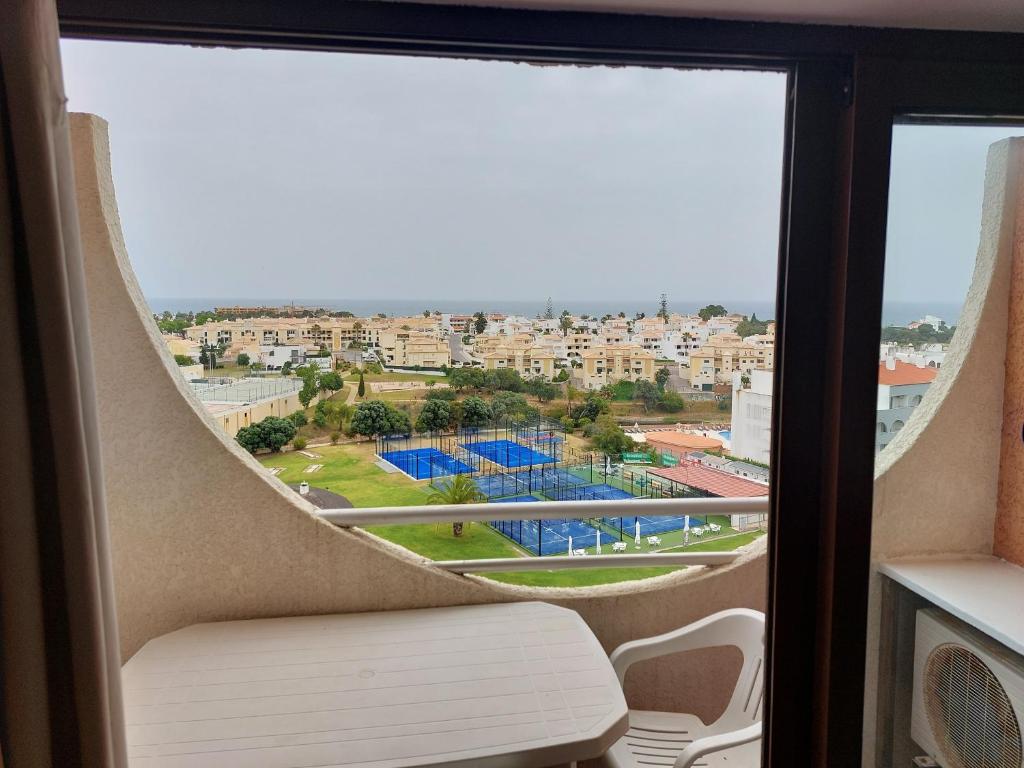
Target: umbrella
x=599, y=541
x=570, y=546
x=637, y=540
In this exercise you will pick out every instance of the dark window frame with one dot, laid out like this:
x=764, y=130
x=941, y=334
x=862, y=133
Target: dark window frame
x=847, y=86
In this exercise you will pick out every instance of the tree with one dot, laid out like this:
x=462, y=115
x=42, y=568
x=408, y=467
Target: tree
x=272, y=433
x=435, y=416
x=571, y=393
x=323, y=412
x=503, y=379
x=479, y=322
x=298, y=418
x=475, y=412
x=375, y=417
x=286, y=369
x=562, y=375
x=565, y=322
x=751, y=327
x=204, y=356
x=592, y=407
x=310, y=385
x=661, y=377
x=458, y=489
x=543, y=390
x=509, y=405
x=549, y=310
x=426, y=313
x=361, y=391
x=609, y=437
x=330, y=381
x=663, y=307
x=647, y=393
x=447, y=393
x=711, y=310
x=184, y=360
x=242, y=360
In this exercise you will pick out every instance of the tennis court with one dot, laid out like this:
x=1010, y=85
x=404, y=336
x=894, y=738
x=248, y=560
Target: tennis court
x=508, y=453
x=423, y=463
x=547, y=537
x=515, y=500
x=649, y=526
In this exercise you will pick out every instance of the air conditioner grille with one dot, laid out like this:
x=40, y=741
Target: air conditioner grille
x=970, y=714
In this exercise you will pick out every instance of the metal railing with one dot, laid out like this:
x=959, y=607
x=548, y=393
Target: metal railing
x=546, y=510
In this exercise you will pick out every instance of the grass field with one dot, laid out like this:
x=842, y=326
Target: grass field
x=350, y=470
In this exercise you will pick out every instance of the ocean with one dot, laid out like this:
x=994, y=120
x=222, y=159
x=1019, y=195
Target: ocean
x=893, y=313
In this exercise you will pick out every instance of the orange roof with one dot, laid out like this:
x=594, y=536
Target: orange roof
x=905, y=373
x=713, y=481
x=683, y=440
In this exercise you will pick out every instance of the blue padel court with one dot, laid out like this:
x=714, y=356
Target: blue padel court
x=424, y=463
x=515, y=500
x=508, y=453
x=547, y=537
x=649, y=526
x=599, y=492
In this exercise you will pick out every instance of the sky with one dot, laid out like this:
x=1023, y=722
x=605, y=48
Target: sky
x=249, y=174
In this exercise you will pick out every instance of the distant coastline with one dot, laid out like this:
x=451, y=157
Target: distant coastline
x=893, y=313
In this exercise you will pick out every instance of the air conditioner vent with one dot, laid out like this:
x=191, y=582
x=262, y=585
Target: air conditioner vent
x=971, y=716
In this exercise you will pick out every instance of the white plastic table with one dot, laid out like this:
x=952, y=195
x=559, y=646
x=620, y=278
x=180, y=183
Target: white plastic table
x=510, y=685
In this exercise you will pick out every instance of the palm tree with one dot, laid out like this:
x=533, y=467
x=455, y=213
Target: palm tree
x=459, y=489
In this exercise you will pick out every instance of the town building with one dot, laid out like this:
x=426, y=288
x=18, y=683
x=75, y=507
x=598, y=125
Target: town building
x=528, y=360
x=676, y=444
x=410, y=349
x=608, y=364
x=751, y=427
x=901, y=387
x=724, y=354
x=242, y=402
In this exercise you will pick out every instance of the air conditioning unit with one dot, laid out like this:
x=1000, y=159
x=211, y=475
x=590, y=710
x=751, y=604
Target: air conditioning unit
x=968, y=703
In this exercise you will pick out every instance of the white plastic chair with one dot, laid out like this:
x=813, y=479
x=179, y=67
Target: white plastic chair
x=682, y=740
x=698, y=531
x=715, y=527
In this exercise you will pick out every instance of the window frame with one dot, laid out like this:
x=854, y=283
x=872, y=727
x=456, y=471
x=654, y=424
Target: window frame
x=846, y=88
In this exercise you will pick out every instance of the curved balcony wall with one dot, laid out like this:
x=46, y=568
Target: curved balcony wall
x=936, y=484
x=201, y=533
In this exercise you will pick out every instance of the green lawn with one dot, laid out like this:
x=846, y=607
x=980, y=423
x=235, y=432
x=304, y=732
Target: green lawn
x=350, y=471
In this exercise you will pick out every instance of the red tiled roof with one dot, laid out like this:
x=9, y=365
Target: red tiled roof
x=684, y=440
x=714, y=481
x=905, y=373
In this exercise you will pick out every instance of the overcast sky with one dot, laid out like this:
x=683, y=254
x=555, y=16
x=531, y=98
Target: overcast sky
x=267, y=173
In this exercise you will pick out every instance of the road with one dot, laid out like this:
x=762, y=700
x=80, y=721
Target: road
x=459, y=353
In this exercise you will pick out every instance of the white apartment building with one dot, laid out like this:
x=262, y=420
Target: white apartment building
x=752, y=415
x=901, y=388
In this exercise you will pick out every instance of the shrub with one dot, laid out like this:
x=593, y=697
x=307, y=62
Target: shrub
x=299, y=443
x=671, y=402
x=298, y=419
x=335, y=437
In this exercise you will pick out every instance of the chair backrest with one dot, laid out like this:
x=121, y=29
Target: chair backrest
x=746, y=632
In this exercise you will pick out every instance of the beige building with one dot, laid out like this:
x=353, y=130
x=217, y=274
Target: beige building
x=528, y=359
x=725, y=354
x=411, y=348
x=179, y=346
x=244, y=402
x=608, y=364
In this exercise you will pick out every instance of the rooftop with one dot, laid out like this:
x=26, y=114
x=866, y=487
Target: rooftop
x=714, y=481
x=684, y=440
x=905, y=373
